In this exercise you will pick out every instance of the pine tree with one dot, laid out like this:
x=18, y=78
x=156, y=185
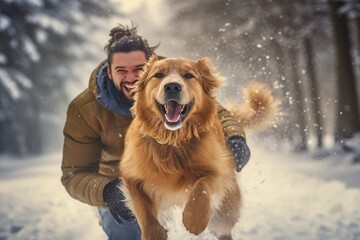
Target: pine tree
x=40, y=41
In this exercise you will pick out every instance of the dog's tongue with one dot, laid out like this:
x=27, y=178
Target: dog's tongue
x=173, y=111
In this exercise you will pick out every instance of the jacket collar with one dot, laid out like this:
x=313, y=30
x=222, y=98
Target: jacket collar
x=109, y=96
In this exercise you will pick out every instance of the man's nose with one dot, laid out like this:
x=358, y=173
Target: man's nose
x=130, y=76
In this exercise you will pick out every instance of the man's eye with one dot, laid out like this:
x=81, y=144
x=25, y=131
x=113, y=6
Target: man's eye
x=188, y=75
x=159, y=75
x=137, y=72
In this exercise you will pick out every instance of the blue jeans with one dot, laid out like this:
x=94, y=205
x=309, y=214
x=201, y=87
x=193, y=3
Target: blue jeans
x=119, y=231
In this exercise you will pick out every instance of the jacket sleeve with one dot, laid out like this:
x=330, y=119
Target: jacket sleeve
x=81, y=157
x=232, y=127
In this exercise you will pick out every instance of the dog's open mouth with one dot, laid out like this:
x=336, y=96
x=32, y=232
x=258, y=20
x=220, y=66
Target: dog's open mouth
x=174, y=113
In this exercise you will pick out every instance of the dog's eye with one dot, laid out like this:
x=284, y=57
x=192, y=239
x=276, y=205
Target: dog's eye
x=188, y=75
x=159, y=75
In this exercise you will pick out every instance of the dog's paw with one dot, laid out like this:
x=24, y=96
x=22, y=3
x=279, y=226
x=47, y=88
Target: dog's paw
x=197, y=214
x=154, y=232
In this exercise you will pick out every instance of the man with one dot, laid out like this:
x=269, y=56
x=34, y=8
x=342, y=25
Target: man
x=95, y=127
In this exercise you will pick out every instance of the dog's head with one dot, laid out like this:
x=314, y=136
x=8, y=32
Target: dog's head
x=177, y=94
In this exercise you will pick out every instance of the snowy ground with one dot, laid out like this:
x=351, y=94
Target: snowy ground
x=286, y=196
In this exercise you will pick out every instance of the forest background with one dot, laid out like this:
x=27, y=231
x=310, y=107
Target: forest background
x=308, y=51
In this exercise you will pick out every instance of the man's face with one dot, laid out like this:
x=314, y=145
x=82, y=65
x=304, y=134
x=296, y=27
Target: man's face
x=125, y=69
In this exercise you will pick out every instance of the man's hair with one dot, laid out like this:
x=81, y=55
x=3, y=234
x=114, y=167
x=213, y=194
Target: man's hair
x=126, y=39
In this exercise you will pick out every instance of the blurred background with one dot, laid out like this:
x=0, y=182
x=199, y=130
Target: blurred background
x=308, y=51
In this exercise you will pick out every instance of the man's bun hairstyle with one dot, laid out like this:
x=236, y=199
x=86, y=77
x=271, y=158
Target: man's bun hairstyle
x=126, y=39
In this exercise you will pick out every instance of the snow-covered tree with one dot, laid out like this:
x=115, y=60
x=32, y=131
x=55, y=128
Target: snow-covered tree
x=40, y=42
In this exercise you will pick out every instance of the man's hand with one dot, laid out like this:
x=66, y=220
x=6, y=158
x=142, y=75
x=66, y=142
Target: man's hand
x=114, y=199
x=240, y=150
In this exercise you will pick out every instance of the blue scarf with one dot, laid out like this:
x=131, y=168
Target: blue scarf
x=109, y=96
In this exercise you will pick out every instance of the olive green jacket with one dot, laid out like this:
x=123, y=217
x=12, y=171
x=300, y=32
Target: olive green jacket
x=94, y=143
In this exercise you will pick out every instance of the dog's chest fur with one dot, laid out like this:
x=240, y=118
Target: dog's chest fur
x=171, y=172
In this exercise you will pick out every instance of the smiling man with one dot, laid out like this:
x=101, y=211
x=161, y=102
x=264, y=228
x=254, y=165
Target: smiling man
x=125, y=68
x=96, y=123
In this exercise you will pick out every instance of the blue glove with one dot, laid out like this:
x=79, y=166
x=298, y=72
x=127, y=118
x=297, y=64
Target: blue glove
x=240, y=150
x=114, y=199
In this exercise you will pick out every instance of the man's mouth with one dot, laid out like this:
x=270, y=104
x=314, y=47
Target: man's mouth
x=128, y=86
x=174, y=113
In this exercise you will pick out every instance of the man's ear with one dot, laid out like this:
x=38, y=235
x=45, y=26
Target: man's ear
x=108, y=71
x=211, y=80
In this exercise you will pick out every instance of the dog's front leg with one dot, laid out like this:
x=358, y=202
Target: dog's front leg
x=145, y=212
x=197, y=211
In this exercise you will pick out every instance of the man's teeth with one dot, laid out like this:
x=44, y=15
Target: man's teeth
x=129, y=86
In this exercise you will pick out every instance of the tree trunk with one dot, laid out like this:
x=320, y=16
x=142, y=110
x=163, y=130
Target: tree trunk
x=287, y=131
x=347, y=121
x=298, y=101
x=314, y=92
x=355, y=30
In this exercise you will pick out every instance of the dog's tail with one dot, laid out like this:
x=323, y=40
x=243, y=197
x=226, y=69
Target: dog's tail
x=260, y=108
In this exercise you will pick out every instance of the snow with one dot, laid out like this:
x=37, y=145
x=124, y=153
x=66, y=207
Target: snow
x=31, y=49
x=41, y=36
x=48, y=22
x=4, y=22
x=34, y=204
x=10, y=85
x=285, y=196
x=23, y=80
x=3, y=58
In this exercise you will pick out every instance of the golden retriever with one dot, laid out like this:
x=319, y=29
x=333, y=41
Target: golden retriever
x=175, y=152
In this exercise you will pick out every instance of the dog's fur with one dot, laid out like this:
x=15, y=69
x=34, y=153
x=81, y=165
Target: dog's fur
x=182, y=158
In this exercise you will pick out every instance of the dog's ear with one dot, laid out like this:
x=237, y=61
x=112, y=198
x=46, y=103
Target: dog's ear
x=144, y=74
x=148, y=66
x=152, y=59
x=211, y=80
x=140, y=84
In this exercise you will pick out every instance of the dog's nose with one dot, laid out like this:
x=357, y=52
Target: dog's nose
x=172, y=88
